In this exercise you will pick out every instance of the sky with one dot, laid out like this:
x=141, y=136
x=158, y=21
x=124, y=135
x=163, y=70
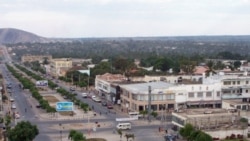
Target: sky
x=126, y=18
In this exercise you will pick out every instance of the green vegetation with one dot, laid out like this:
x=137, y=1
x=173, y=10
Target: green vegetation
x=28, y=84
x=191, y=134
x=76, y=136
x=23, y=131
x=44, y=103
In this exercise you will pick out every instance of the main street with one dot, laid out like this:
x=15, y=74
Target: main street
x=25, y=104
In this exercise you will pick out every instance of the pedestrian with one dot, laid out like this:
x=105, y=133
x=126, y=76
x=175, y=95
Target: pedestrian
x=100, y=113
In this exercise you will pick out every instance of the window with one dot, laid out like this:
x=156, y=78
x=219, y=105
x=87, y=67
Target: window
x=199, y=94
x=247, y=82
x=190, y=95
x=170, y=96
x=208, y=94
x=218, y=94
x=233, y=82
x=227, y=83
x=238, y=82
x=246, y=91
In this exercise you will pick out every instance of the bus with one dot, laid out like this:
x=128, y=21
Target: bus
x=135, y=115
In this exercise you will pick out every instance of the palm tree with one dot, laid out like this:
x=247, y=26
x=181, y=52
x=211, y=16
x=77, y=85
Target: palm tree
x=210, y=65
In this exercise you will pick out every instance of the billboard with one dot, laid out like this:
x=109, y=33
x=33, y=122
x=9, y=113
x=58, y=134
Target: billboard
x=42, y=83
x=64, y=106
x=85, y=72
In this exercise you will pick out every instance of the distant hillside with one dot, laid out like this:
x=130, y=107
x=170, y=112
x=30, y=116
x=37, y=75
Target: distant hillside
x=11, y=35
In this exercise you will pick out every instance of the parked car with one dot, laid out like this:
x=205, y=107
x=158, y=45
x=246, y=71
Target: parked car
x=12, y=99
x=13, y=106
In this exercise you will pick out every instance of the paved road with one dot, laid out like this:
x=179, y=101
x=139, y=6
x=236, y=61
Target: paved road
x=143, y=131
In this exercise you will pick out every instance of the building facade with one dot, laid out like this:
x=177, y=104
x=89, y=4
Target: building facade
x=59, y=67
x=32, y=58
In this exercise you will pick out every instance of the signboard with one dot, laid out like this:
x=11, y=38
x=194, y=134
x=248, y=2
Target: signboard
x=64, y=106
x=42, y=83
x=85, y=72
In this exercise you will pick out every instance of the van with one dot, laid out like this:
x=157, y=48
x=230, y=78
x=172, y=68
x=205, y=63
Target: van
x=123, y=126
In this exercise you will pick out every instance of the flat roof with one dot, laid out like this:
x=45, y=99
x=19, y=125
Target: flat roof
x=142, y=88
x=202, y=112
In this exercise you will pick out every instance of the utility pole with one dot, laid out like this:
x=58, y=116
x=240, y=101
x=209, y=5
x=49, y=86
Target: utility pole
x=149, y=104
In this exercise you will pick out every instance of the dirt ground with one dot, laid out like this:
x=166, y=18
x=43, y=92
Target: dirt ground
x=51, y=99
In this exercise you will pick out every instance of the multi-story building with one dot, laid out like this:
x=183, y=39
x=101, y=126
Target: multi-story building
x=173, y=93
x=59, y=67
x=32, y=58
x=170, y=96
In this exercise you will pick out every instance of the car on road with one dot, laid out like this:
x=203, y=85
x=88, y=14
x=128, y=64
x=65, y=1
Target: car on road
x=17, y=116
x=38, y=106
x=12, y=99
x=84, y=95
x=72, y=89
x=104, y=103
x=13, y=106
x=96, y=99
x=109, y=106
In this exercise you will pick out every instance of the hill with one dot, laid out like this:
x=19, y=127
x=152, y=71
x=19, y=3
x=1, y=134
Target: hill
x=11, y=35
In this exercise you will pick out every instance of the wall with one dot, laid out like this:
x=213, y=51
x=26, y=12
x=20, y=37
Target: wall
x=224, y=133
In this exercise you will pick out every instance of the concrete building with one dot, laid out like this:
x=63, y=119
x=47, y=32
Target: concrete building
x=32, y=58
x=106, y=85
x=59, y=67
x=219, y=123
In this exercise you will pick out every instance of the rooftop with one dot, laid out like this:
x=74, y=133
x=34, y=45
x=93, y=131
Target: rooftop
x=142, y=88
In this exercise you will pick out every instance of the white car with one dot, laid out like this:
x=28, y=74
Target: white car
x=84, y=95
x=93, y=97
x=12, y=99
x=13, y=106
x=17, y=116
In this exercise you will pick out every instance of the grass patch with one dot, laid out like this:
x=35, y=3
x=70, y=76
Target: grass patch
x=66, y=113
x=96, y=139
x=51, y=99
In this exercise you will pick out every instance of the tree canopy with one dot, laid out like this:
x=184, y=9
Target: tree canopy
x=23, y=131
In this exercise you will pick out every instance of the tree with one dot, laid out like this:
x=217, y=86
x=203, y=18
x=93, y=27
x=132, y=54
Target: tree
x=237, y=64
x=119, y=131
x=7, y=121
x=23, y=131
x=210, y=65
x=203, y=137
x=76, y=136
x=187, y=130
x=129, y=136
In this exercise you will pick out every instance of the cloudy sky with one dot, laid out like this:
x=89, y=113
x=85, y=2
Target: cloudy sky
x=126, y=18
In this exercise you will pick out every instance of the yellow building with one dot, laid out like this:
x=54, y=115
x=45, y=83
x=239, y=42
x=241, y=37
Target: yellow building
x=32, y=58
x=59, y=67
